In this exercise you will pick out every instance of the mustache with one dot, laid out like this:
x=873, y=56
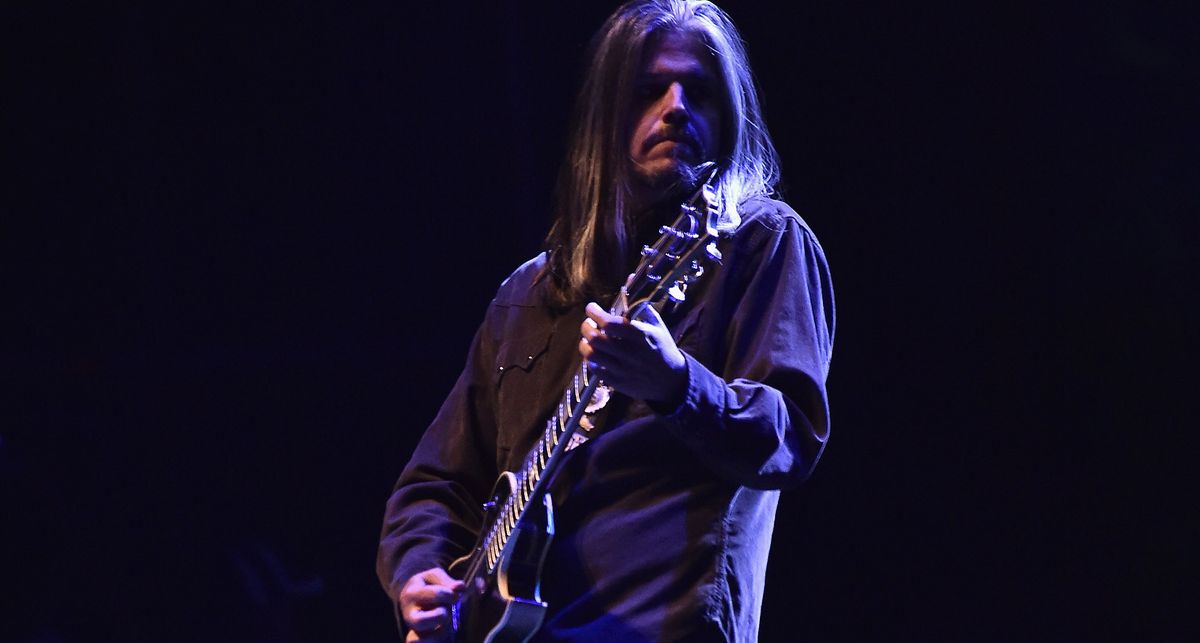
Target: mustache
x=684, y=136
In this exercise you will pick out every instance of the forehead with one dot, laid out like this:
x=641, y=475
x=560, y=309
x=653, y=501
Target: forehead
x=678, y=52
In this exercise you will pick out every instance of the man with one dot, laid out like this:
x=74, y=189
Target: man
x=663, y=518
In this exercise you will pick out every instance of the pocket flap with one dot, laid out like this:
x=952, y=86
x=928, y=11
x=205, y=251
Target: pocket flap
x=522, y=351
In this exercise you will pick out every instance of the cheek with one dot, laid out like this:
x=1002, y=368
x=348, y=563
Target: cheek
x=638, y=131
x=635, y=142
x=712, y=129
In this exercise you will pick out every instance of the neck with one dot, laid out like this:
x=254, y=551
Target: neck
x=648, y=219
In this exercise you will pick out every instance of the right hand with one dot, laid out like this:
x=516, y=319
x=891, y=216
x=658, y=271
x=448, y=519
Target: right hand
x=425, y=602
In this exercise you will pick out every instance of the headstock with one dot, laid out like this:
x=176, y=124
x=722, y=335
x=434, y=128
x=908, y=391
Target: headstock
x=680, y=254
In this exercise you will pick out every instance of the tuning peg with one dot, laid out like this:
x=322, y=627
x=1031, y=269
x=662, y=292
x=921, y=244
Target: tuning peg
x=677, y=293
x=677, y=233
x=647, y=251
x=712, y=252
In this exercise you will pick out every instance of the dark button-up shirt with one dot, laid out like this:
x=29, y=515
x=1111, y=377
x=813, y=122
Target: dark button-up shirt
x=664, y=518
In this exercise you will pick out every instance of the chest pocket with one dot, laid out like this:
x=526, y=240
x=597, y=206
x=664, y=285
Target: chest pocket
x=520, y=354
x=523, y=382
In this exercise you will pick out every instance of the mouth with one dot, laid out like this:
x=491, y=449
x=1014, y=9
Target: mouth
x=676, y=139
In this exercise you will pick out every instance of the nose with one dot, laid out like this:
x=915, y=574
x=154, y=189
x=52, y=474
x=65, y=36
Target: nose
x=675, y=105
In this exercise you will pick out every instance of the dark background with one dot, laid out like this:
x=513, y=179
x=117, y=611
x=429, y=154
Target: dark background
x=246, y=246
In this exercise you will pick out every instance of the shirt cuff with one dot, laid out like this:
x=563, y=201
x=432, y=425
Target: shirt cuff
x=704, y=392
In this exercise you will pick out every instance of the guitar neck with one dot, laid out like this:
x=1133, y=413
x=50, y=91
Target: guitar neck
x=541, y=461
x=666, y=269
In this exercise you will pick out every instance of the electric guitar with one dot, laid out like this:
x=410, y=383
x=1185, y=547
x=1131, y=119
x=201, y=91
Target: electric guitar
x=502, y=573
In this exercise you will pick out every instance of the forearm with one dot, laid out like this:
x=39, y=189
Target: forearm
x=755, y=408
x=434, y=512
x=426, y=525
x=749, y=432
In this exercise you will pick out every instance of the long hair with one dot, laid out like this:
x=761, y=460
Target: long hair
x=590, y=242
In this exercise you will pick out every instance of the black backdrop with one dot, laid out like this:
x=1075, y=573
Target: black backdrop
x=247, y=245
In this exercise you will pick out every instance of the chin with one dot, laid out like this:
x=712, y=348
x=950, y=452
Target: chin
x=669, y=177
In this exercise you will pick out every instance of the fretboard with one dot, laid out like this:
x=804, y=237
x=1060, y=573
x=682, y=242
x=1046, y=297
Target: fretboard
x=540, y=462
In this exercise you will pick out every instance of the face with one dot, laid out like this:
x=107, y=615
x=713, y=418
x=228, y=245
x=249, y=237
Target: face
x=676, y=111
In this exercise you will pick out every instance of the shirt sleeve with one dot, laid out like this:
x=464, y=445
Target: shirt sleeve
x=761, y=419
x=434, y=511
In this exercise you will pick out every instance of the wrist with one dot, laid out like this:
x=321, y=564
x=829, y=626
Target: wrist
x=675, y=392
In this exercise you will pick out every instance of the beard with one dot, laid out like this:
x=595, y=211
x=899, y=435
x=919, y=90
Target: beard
x=672, y=183
x=662, y=194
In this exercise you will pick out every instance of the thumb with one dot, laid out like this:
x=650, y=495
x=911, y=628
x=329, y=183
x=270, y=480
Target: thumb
x=438, y=576
x=647, y=315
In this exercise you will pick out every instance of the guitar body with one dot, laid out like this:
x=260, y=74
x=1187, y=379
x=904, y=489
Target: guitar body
x=504, y=605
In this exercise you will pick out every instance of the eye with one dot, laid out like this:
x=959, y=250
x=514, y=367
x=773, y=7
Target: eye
x=646, y=91
x=699, y=93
